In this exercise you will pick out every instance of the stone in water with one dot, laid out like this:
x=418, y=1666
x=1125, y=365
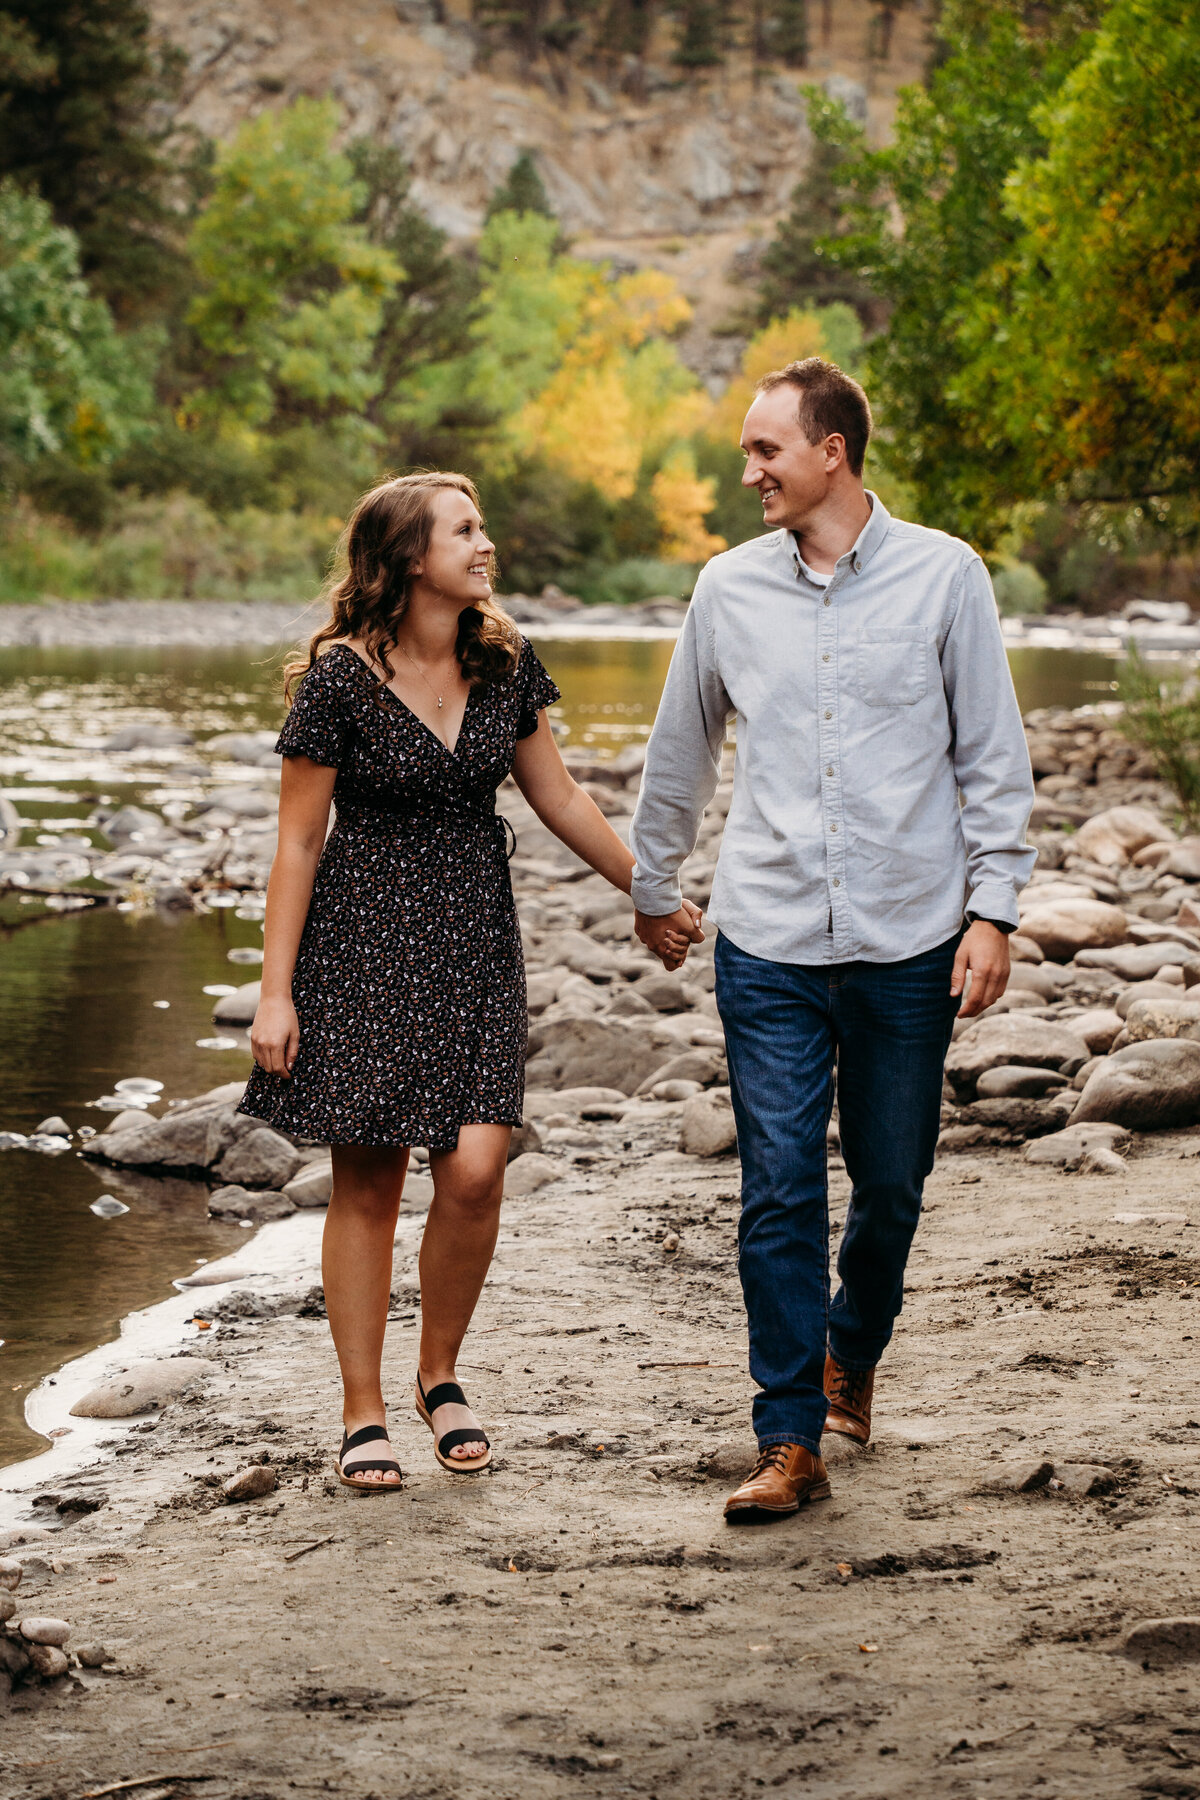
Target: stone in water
x=217, y=1043
x=219, y=987
x=161, y=1005
x=137, y=1084
x=108, y=1207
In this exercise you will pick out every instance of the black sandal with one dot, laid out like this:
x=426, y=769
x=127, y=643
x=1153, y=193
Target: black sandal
x=448, y=1393
x=367, y=1435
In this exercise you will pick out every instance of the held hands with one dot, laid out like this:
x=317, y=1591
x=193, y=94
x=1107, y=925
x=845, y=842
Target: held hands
x=668, y=936
x=983, y=952
x=275, y=1036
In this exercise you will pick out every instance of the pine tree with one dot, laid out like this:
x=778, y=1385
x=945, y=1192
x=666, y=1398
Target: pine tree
x=796, y=271
x=522, y=191
x=78, y=79
x=702, y=34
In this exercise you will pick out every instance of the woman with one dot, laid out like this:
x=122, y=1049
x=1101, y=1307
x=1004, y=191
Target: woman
x=392, y=1010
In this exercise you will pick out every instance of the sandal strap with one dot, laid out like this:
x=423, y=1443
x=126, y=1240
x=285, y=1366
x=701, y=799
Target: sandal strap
x=446, y=1393
x=453, y=1439
x=365, y=1434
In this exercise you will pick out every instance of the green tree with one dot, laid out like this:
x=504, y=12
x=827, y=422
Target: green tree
x=956, y=142
x=522, y=191
x=427, y=319
x=798, y=269
x=1086, y=339
x=292, y=292
x=81, y=122
x=68, y=385
x=702, y=34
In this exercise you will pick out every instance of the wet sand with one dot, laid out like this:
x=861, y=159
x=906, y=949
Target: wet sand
x=579, y=1620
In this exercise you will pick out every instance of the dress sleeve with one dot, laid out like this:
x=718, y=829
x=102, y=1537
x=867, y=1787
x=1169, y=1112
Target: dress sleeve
x=317, y=725
x=535, y=688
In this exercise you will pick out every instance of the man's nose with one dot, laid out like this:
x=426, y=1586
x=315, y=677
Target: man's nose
x=751, y=475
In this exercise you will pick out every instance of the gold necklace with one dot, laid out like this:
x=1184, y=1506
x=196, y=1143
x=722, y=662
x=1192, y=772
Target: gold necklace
x=416, y=665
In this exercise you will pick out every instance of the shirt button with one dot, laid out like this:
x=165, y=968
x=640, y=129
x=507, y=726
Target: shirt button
x=829, y=770
x=825, y=657
x=833, y=827
x=828, y=715
x=827, y=600
x=836, y=882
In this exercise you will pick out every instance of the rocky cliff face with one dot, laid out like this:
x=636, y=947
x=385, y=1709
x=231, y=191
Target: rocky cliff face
x=689, y=175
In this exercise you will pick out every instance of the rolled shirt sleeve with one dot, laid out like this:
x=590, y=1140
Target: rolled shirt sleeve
x=683, y=765
x=991, y=758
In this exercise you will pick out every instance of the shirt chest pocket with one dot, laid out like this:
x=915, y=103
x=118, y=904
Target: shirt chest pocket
x=893, y=665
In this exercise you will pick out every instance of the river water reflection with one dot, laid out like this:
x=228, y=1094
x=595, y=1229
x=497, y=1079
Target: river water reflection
x=80, y=995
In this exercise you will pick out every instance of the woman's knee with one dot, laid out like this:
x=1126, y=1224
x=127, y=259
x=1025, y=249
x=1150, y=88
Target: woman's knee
x=369, y=1185
x=474, y=1191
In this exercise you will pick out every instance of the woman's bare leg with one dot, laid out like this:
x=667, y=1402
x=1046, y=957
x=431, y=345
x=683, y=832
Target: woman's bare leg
x=356, y=1263
x=456, y=1252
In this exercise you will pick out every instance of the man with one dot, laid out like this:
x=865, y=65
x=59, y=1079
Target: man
x=868, y=877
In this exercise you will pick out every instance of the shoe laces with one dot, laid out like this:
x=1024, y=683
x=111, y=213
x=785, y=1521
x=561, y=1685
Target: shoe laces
x=771, y=1456
x=850, y=1385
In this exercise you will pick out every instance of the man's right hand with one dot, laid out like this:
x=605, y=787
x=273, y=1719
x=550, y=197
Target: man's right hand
x=668, y=935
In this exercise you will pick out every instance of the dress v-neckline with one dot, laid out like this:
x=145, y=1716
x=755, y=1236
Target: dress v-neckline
x=392, y=695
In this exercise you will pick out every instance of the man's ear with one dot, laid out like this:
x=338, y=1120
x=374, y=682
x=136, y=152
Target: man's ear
x=835, y=451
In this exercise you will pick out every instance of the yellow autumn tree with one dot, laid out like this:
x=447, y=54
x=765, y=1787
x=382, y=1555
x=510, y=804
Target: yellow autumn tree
x=782, y=341
x=682, y=500
x=620, y=392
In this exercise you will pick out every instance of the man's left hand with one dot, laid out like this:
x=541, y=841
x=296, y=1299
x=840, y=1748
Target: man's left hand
x=984, y=953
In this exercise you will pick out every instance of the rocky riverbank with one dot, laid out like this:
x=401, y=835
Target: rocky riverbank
x=146, y=623
x=1003, y=1587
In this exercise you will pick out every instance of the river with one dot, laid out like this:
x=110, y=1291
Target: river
x=82, y=995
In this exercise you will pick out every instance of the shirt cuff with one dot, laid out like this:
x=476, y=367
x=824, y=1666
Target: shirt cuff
x=655, y=895
x=975, y=918
x=995, y=901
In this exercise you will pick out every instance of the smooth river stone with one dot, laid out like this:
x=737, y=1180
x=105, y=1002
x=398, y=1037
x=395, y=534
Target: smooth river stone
x=40, y=1630
x=142, y=1387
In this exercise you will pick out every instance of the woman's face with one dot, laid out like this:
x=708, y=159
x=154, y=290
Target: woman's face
x=458, y=562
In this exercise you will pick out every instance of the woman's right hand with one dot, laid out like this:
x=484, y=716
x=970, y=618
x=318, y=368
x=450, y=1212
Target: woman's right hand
x=275, y=1036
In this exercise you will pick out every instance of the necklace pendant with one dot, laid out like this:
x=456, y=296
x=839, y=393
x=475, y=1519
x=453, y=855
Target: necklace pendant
x=439, y=703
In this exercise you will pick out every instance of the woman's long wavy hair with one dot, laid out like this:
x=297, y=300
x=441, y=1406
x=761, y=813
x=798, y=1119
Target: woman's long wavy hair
x=387, y=536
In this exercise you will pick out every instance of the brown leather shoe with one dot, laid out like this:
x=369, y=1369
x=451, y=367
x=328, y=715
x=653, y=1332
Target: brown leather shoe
x=849, y=1392
x=784, y=1478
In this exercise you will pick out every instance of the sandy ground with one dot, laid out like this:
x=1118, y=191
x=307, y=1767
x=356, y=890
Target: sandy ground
x=579, y=1621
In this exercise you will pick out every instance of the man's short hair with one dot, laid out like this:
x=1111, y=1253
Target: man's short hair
x=829, y=401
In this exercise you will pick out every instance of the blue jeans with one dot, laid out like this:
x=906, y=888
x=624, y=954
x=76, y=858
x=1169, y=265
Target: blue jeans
x=886, y=1028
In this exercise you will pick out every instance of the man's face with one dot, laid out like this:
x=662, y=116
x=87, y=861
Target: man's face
x=791, y=475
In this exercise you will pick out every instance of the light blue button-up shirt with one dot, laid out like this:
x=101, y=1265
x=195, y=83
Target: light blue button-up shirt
x=881, y=784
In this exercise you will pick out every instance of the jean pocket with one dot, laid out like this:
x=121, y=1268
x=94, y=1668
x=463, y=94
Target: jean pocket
x=893, y=666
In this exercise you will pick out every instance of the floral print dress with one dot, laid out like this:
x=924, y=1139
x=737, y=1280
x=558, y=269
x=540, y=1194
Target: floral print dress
x=409, y=982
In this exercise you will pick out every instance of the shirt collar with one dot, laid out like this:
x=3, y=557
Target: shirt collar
x=864, y=546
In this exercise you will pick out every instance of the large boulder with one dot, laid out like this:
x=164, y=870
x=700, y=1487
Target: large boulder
x=1063, y=928
x=141, y=1387
x=313, y=1186
x=526, y=1174
x=1113, y=837
x=260, y=1159
x=179, y=1144
x=1066, y=1149
x=1143, y=990
x=1159, y=1018
x=1045, y=979
x=238, y=1008
x=1098, y=1028
x=1010, y=1039
x=599, y=1052
x=1146, y=1087
x=702, y=1065
x=1184, y=860
x=706, y=1127
x=1136, y=962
